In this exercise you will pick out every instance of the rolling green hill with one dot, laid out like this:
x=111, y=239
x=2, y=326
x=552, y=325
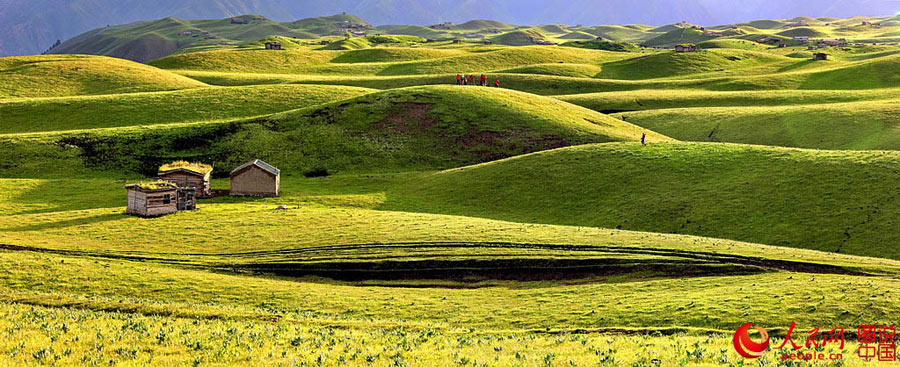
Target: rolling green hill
x=569, y=70
x=854, y=125
x=245, y=60
x=577, y=36
x=738, y=44
x=383, y=61
x=478, y=24
x=415, y=128
x=879, y=72
x=395, y=54
x=356, y=43
x=678, y=36
x=621, y=33
x=641, y=100
x=185, y=106
x=604, y=45
x=54, y=76
x=418, y=31
x=673, y=64
x=803, y=32
x=783, y=197
x=520, y=38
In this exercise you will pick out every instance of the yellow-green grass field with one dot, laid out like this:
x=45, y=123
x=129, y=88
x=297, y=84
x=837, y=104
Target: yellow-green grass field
x=867, y=125
x=184, y=106
x=64, y=75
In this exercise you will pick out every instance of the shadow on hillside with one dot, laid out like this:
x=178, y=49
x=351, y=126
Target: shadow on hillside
x=56, y=195
x=68, y=223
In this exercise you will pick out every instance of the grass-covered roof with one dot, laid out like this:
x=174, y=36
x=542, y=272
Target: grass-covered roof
x=154, y=186
x=200, y=168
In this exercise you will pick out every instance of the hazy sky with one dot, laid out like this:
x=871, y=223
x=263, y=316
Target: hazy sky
x=654, y=12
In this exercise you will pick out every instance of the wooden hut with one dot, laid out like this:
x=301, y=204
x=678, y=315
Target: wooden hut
x=273, y=46
x=818, y=56
x=185, y=174
x=159, y=198
x=256, y=178
x=152, y=199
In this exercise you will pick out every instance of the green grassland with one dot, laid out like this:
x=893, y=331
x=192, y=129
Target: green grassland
x=415, y=128
x=402, y=62
x=676, y=100
x=869, y=125
x=184, y=106
x=54, y=76
x=723, y=191
x=516, y=226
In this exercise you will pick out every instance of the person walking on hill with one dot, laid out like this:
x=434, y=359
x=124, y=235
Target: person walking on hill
x=483, y=80
x=464, y=81
x=643, y=138
x=458, y=79
x=497, y=83
x=472, y=79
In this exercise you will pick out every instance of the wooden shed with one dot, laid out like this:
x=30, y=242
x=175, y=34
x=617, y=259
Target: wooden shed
x=152, y=199
x=256, y=178
x=159, y=198
x=820, y=56
x=186, y=174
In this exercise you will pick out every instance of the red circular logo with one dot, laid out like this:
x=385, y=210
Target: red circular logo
x=747, y=347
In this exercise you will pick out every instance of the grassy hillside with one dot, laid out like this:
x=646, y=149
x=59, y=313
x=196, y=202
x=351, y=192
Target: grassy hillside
x=803, y=32
x=418, y=31
x=395, y=54
x=671, y=64
x=738, y=44
x=855, y=125
x=520, y=38
x=187, y=106
x=383, y=61
x=676, y=99
x=478, y=24
x=678, y=36
x=416, y=128
x=54, y=76
x=245, y=60
x=791, y=198
x=218, y=309
x=604, y=45
x=878, y=72
x=620, y=32
x=577, y=36
x=568, y=70
x=358, y=43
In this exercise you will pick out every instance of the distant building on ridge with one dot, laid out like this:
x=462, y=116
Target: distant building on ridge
x=686, y=48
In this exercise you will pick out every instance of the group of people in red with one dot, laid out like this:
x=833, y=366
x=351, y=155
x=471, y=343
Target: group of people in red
x=470, y=80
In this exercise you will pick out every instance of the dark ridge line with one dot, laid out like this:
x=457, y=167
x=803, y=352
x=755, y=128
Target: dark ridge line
x=786, y=265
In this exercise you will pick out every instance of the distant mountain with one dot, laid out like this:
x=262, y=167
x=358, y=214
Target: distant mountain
x=32, y=26
x=149, y=40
